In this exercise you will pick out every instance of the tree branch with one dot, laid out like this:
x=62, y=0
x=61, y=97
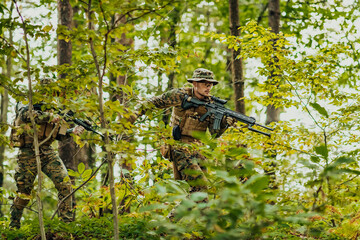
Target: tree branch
x=36, y=139
x=83, y=184
x=12, y=46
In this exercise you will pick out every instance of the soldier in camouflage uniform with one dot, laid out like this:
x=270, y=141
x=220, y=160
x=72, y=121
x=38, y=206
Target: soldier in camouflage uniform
x=188, y=165
x=50, y=127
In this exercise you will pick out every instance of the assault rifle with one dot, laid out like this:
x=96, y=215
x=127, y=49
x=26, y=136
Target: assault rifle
x=218, y=111
x=69, y=117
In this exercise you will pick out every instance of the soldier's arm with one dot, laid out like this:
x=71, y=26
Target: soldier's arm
x=168, y=99
x=40, y=117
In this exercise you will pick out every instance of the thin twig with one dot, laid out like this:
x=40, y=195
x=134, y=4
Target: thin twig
x=302, y=103
x=28, y=208
x=50, y=135
x=12, y=46
x=349, y=180
x=83, y=184
x=36, y=138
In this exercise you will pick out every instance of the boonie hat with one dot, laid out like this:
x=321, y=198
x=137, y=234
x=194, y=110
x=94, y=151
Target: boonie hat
x=202, y=74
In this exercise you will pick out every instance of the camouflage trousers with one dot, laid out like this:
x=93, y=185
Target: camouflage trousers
x=25, y=176
x=188, y=167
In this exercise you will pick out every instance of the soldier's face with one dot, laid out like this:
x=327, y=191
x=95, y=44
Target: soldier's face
x=202, y=89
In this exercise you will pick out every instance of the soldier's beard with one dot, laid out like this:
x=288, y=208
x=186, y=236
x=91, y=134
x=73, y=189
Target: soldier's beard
x=203, y=95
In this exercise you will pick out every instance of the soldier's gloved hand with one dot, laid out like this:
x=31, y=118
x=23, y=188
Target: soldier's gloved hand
x=230, y=121
x=55, y=118
x=78, y=130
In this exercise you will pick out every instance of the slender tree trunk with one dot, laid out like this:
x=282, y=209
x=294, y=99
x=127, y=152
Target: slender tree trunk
x=35, y=131
x=236, y=64
x=174, y=20
x=100, y=75
x=4, y=112
x=273, y=114
x=64, y=48
x=120, y=80
x=67, y=148
x=128, y=43
x=3, y=120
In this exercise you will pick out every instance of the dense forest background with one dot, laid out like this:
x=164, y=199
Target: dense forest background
x=291, y=64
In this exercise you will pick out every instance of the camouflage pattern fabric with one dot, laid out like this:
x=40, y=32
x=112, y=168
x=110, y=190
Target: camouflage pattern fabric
x=187, y=164
x=190, y=169
x=202, y=74
x=172, y=98
x=25, y=176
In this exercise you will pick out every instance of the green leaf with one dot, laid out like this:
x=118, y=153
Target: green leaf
x=86, y=174
x=198, y=196
x=257, y=183
x=342, y=160
x=351, y=171
x=233, y=152
x=72, y=173
x=152, y=207
x=225, y=176
x=315, y=159
x=320, y=109
x=322, y=150
x=66, y=179
x=81, y=168
x=47, y=28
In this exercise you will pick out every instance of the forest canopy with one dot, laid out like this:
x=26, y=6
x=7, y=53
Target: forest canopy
x=292, y=65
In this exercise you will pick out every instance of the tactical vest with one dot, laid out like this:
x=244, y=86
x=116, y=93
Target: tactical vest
x=188, y=120
x=22, y=136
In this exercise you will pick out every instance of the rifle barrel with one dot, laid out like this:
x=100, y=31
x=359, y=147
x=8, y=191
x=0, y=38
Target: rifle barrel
x=268, y=128
x=258, y=131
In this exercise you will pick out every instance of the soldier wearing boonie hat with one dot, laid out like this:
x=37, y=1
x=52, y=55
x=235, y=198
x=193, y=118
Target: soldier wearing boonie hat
x=188, y=165
x=202, y=74
x=185, y=123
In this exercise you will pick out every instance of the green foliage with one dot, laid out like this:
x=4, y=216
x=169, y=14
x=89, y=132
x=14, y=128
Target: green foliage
x=86, y=228
x=315, y=189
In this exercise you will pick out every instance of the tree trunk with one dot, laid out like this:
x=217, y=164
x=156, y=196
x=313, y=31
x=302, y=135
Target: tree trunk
x=120, y=80
x=109, y=155
x=69, y=151
x=273, y=114
x=127, y=42
x=4, y=105
x=174, y=20
x=64, y=48
x=35, y=131
x=236, y=64
x=3, y=120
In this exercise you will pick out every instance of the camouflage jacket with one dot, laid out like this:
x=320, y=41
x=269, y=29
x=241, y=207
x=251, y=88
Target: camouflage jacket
x=22, y=134
x=187, y=120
